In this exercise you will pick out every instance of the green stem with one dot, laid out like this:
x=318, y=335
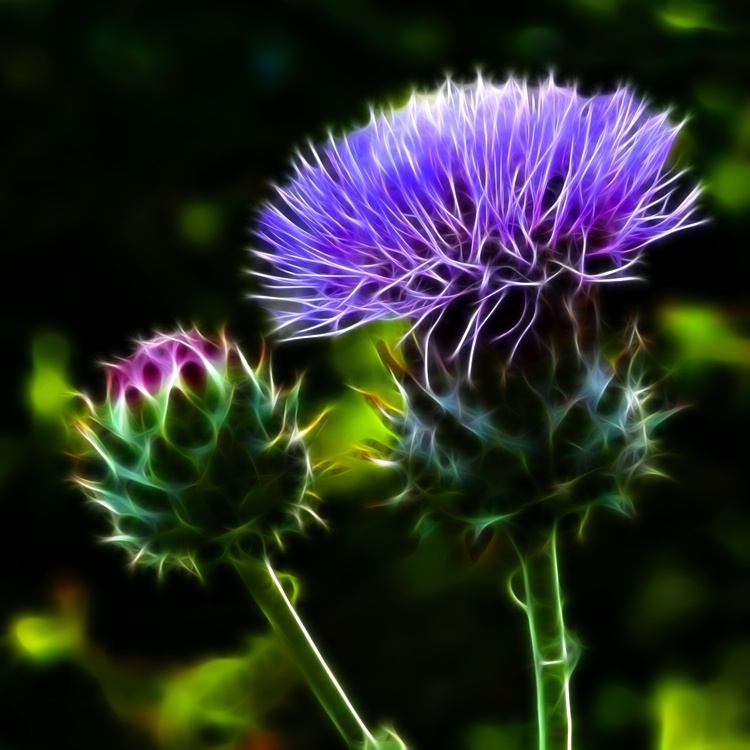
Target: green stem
x=268, y=592
x=553, y=650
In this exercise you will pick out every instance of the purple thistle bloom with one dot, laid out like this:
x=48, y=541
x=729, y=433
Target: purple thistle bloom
x=459, y=210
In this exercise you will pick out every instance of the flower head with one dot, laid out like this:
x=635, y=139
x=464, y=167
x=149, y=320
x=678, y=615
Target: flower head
x=458, y=211
x=193, y=454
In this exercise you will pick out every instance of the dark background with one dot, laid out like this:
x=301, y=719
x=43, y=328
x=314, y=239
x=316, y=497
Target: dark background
x=136, y=141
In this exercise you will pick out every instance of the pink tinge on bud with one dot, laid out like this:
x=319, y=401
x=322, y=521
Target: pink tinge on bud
x=163, y=359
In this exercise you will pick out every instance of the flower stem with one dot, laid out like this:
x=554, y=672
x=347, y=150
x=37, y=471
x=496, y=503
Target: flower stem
x=266, y=589
x=553, y=649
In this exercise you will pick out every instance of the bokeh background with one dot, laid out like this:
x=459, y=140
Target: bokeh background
x=136, y=141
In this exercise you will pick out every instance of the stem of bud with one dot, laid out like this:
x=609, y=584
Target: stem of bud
x=266, y=589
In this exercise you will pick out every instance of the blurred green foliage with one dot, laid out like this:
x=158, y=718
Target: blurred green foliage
x=200, y=222
x=48, y=389
x=351, y=446
x=218, y=703
x=702, y=717
x=704, y=335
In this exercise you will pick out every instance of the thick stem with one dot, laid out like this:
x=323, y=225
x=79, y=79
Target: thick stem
x=267, y=591
x=553, y=650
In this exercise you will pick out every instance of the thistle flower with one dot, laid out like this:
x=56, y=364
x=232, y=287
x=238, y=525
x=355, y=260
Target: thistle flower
x=459, y=211
x=193, y=454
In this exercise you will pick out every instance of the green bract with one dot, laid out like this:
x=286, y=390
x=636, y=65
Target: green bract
x=194, y=455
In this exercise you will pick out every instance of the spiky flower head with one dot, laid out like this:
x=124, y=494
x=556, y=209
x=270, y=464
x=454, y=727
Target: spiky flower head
x=573, y=432
x=193, y=454
x=460, y=210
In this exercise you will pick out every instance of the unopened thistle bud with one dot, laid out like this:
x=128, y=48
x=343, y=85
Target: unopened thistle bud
x=193, y=454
